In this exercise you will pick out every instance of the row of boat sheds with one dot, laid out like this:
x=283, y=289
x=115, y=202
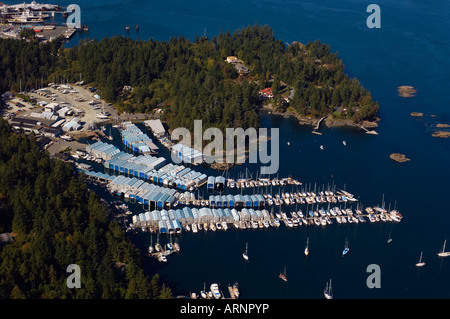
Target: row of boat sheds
x=155, y=196
x=174, y=220
x=142, y=192
x=147, y=167
x=136, y=140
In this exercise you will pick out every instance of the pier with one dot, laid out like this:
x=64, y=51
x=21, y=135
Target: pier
x=372, y=132
x=316, y=128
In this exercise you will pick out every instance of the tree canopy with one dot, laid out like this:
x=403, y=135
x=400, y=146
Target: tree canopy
x=56, y=222
x=191, y=79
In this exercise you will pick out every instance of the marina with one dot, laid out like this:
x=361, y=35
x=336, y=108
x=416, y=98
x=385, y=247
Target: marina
x=46, y=20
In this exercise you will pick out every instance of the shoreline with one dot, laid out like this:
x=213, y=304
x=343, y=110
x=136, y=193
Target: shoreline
x=328, y=121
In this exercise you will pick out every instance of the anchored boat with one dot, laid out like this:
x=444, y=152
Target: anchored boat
x=328, y=293
x=420, y=263
x=346, y=249
x=443, y=253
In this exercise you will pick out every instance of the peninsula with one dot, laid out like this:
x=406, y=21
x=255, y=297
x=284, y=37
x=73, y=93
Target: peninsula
x=225, y=81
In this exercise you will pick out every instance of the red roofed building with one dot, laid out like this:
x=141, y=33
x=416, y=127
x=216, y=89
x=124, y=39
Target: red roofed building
x=266, y=93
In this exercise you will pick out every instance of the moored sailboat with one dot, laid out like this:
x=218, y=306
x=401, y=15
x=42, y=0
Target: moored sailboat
x=443, y=253
x=328, y=293
x=307, y=247
x=283, y=276
x=346, y=249
x=420, y=263
x=245, y=253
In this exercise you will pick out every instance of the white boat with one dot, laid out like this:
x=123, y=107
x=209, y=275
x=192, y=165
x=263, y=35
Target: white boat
x=150, y=248
x=215, y=291
x=162, y=258
x=344, y=142
x=277, y=222
x=203, y=292
x=328, y=293
x=321, y=147
x=389, y=239
x=224, y=225
x=102, y=115
x=346, y=249
x=245, y=253
x=307, y=247
x=443, y=253
x=194, y=228
x=236, y=290
x=289, y=222
x=420, y=263
x=283, y=276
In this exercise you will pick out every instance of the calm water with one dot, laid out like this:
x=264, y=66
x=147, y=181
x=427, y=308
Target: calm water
x=411, y=48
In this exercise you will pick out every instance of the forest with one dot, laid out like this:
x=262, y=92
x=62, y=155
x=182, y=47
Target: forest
x=56, y=221
x=190, y=79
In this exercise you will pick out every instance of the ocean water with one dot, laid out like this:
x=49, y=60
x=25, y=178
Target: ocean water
x=411, y=48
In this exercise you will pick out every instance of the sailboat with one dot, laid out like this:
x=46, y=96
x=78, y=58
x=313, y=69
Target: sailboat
x=203, y=292
x=328, y=293
x=321, y=147
x=307, y=247
x=344, y=142
x=346, y=249
x=443, y=253
x=245, y=254
x=158, y=246
x=110, y=135
x=420, y=263
x=288, y=143
x=389, y=239
x=282, y=275
x=150, y=248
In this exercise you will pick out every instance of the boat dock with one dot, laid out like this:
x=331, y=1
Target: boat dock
x=316, y=128
x=372, y=132
x=175, y=221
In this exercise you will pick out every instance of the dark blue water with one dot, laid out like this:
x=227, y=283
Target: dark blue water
x=411, y=48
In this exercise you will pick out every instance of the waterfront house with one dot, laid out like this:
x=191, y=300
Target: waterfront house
x=266, y=93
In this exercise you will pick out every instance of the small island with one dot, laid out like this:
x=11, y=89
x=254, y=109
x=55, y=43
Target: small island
x=441, y=134
x=416, y=114
x=406, y=91
x=401, y=158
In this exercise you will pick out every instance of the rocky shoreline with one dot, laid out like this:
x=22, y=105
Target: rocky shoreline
x=329, y=122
